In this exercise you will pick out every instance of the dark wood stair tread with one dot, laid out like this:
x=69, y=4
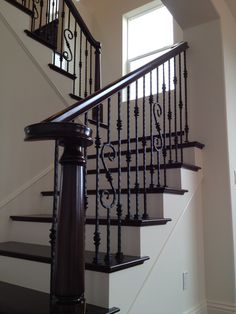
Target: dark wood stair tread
x=41, y=253
x=173, y=165
x=148, y=149
x=61, y=71
x=20, y=6
x=19, y=300
x=40, y=39
x=158, y=190
x=46, y=218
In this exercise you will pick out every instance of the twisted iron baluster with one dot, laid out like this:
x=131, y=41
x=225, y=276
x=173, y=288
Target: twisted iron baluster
x=97, y=237
x=128, y=154
x=151, y=133
x=136, y=186
x=53, y=229
x=119, y=253
x=175, y=112
x=145, y=215
x=186, y=128
x=106, y=193
x=180, y=109
x=164, y=124
x=169, y=115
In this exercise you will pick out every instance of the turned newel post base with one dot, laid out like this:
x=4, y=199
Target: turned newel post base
x=69, y=251
x=69, y=263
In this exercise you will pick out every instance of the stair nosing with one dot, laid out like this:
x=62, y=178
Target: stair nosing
x=20, y=7
x=39, y=39
x=129, y=261
x=61, y=71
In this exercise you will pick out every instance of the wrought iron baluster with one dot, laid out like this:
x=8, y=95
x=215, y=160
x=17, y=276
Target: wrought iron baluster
x=53, y=10
x=119, y=254
x=80, y=64
x=164, y=123
x=35, y=14
x=151, y=133
x=86, y=71
x=157, y=113
x=109, y=196
x=97, y=237
x=145, y=215
x=75, y=54
x=70, y=36
x=57, y=9
x=53, y=229
x=128, y=155
x=175, y=111
x=85, y=170
x=186, y=128
x=169, y=115
x=180, y=109
x=62, y=32
x=47, y=16
x=91, y=70
x=41, y=14
x=136, y=186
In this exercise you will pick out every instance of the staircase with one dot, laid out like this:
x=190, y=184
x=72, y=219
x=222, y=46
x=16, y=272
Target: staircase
x=130, y=167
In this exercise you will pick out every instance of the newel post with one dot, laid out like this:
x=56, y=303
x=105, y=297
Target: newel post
x=69, y=251
x=69, y=262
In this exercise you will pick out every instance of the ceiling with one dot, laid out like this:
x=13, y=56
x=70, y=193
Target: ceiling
x=189, y=13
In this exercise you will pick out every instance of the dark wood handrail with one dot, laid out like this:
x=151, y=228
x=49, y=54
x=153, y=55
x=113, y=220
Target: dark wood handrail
x=95, y=99
x=82, y=24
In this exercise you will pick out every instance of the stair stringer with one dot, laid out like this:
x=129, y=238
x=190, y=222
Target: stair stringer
x=17, y=21
x=145, y=288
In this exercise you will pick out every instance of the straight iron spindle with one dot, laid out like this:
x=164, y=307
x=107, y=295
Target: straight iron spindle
x=80, y=63
x=180, y=109
x=86, y=71
x=164, y=123
x=62, y=31
x=169, y=115
x=90, y=70
x=151, y=133
x=158, y=151
x=119, y=254
x=145, y=215
x=186, y=128
x=128, y=155
x=136, y=115
x=75, y=53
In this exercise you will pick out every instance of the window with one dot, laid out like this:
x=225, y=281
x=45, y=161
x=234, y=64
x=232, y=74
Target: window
x=147, y=32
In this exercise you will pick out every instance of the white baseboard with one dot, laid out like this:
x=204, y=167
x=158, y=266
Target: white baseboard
x=214, y=307
x=198, y=309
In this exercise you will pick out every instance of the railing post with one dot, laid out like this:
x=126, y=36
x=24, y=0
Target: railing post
x=69, y=250
x=97, y=80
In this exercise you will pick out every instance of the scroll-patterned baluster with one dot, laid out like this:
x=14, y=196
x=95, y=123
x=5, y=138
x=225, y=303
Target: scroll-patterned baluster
x=128, y=154
x=175, y=111
x=68, y=56
x=53, y=229
x=119, y=254
x=109, y=196
x=136, y=186
x=164, y=153
x=145, y=215
x=186, y=128
x=180, y=109
x=97, y=237
x=169, y=115
x=151, y=133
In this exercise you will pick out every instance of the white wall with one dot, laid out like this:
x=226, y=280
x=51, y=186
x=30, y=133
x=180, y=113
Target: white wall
x=209, y=125
x=26, y=97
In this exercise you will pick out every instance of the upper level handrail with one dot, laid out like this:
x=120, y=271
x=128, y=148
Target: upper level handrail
x=95, y=99
x=82, y=24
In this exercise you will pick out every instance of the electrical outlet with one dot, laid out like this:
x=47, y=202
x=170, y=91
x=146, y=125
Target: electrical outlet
x=185, y=280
